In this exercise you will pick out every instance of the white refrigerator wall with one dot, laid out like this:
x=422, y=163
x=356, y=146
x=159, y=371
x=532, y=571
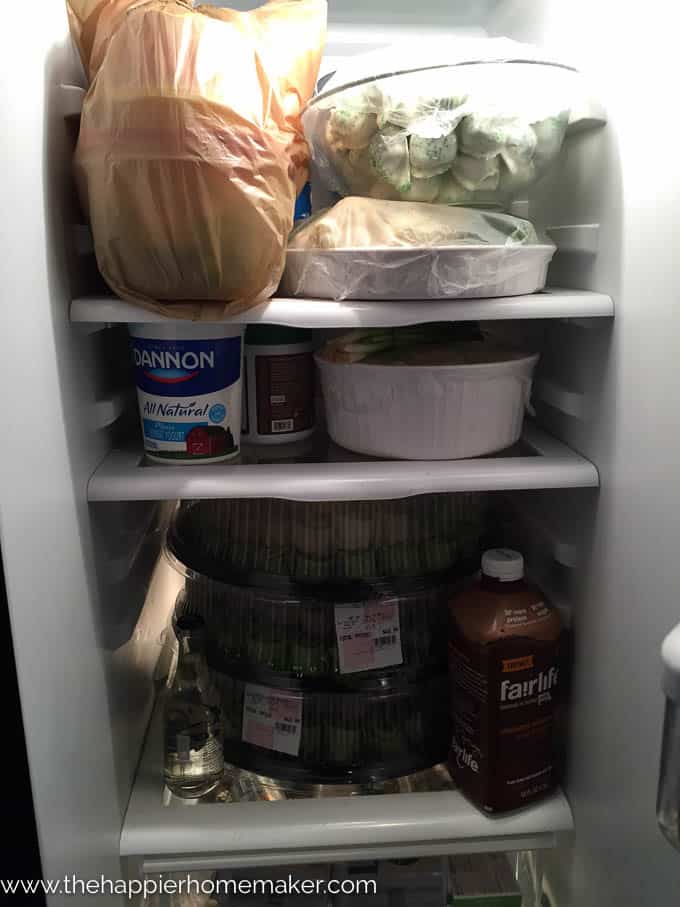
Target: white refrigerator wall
x=627, y=596
x=84, y=678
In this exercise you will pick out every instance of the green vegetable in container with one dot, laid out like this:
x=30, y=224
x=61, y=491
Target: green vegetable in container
x=486, y=134
x=390, y=157
x=430, y=152
x=452, y=192
x=475, y=173
x=423, y=190
x=351, y=128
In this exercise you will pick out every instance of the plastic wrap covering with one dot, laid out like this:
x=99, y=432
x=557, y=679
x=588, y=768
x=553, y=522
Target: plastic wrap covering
x=354, y=737
x=191, y=150
x=467, y=122
x=371, y=249
x=339, y=540
x=284, y=635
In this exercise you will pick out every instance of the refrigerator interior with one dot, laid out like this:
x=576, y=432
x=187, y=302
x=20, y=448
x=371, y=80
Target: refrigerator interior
x=80, y=526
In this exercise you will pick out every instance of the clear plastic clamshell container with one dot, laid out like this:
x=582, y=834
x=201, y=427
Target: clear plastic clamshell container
x=325, y=636
x=355, y=737
x=473, y=122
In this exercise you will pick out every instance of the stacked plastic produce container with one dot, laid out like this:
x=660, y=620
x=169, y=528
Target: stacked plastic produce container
x=328, y=628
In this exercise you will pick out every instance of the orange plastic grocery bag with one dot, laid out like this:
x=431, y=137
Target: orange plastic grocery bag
x=191, y=150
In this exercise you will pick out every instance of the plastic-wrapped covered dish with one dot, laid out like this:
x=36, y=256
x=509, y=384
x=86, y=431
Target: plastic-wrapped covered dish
x=312, y=542
x=423, y=394
x=351, y=737
x=365, y=248
x=462, y=123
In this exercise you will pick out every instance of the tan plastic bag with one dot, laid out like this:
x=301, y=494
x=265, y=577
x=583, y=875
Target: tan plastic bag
x=191, y=150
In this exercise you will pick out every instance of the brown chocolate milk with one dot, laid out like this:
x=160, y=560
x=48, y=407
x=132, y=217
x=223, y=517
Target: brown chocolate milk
x=504, y=661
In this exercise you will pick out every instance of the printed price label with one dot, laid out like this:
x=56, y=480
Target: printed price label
x=272, y=719
x=369, y=636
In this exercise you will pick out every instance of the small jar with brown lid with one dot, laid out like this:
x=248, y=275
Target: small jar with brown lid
x=505, y=662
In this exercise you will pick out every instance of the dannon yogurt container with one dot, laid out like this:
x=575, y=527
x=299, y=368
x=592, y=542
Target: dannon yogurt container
x=189, y=390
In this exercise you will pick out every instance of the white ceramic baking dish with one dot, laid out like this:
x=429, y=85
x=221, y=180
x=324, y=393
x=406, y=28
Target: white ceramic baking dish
x=426, y=412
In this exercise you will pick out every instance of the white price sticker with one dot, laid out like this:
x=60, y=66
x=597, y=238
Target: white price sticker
x=369, y=636
x=272, y=719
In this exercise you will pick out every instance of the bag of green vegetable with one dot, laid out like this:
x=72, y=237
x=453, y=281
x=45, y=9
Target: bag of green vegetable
x=456, y=122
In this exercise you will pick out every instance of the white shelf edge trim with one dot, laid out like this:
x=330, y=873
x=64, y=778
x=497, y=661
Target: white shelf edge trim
x=122, y=478
x=324, y=313
x=315, y=830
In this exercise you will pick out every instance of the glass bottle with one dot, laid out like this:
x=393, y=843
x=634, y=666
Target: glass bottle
x=194, y=760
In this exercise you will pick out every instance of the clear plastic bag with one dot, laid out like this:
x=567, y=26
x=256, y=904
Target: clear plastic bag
x=191, y=150
x=464, y=123
x=368, y=249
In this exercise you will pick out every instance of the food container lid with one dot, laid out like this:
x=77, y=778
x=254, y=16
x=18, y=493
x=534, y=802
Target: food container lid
x=503, y=564
x=194, y=565
x=401, y=59
x=275, y=335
